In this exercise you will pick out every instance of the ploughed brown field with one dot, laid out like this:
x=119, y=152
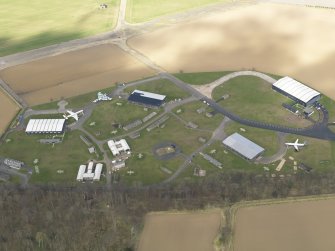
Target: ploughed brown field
x=294, y=226
x=180, y=231
x=297, y=41
x=8, y=109
x=73, y=73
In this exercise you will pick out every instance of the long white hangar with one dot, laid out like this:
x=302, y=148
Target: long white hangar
x=296, y=91
x=45, y=126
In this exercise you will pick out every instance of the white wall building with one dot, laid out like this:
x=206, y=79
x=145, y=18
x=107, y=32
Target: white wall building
x=89, y=173
x=45, y=126
x=118, y=147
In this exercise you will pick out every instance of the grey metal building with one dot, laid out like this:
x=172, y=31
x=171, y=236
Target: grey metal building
x=296, y=91
x=243, y=146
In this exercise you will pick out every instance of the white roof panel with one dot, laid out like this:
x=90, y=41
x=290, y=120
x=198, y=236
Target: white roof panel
x=243, y=146
x=45, y=125
x=150, y=95
x=296, y=89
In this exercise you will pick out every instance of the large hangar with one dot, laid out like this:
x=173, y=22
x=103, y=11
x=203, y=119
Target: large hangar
x=296, y=91
x=146, y=98
x=243, y=146
x=45, y=126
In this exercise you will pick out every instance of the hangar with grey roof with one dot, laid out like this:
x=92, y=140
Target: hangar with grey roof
x=45, y=126
x=243, y=146
x=296, y=91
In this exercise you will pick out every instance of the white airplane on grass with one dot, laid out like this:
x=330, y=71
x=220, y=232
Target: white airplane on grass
x=74, y=115
x=296, y=145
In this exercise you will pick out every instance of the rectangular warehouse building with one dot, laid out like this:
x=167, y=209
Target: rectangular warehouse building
x=243, y=146
x=146, y=98
x=296, y=91
x=45, y=126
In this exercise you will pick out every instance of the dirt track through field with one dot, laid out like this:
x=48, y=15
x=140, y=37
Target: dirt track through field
x=279, y=39
x=181, y=231
x=300, y=226
x=73, y=73
x=8, y=109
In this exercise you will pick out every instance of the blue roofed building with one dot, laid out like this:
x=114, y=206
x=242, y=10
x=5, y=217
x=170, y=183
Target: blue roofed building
x=146, y=98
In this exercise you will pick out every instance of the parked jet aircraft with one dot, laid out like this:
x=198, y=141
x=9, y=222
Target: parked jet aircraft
x=296, y=145
x=73, y=114
x=102, y=97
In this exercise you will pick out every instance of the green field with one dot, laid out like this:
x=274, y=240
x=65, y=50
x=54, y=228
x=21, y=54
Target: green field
x=148, y=170
x=144, y=10
x=66, y=156
x=318, y=154
x=26, y=25
x=201, y=78
x=163, y=87
x=108, y=115
x=253, y=98
x=189, y=114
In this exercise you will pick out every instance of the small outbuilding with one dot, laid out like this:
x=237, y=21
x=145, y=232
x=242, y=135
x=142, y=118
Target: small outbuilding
x=243, y=146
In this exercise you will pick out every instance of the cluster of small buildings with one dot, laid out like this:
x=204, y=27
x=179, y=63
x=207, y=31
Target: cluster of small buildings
x=119, y=147
x=89, y=172
x=12, y=163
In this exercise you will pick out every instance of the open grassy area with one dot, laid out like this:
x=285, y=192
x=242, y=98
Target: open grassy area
x=149, y=170
x=107, y=117
x=318, y=154
x=66, y=156
x=189, y=113
x=76, y=101
x=330, y=105
x=200, y=78
x=163, y=87
x=253, y=98
x=144, y=10
x=26, y=25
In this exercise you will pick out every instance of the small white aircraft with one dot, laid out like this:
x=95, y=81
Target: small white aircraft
x=296, y=145
x=74, y=115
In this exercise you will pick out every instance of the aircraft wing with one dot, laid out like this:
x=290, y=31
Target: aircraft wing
x=75, y=116
x=296, y=142
x=296, y=147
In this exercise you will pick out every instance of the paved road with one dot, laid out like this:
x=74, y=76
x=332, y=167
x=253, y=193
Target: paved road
x=217, y=135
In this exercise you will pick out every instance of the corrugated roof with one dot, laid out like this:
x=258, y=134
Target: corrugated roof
x=296, y=89
x=243, y=146
x=150, y=95
x=45, y=126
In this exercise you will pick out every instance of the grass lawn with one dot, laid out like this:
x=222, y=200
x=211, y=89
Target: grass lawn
x=318, y=154
x=253, y=98
x=163, y=87
x=66, y=156
x=107, y=115
x=330, y=105
x=201, y=78
x=189, y=114
x=26, y=25
x=265, y=138
x=144, y=10
x=75, y=102
x=148, y=170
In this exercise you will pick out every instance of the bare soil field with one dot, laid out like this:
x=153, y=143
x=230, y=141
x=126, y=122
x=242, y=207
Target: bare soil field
x=180, y=231
x=279, y=39
x=293, y=226
x=8, y=109
x=73, y=73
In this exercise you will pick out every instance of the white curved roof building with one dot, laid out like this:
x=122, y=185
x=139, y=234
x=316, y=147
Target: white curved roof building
x=296, y=90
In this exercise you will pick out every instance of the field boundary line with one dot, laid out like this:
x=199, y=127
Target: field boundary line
x=267, y=202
